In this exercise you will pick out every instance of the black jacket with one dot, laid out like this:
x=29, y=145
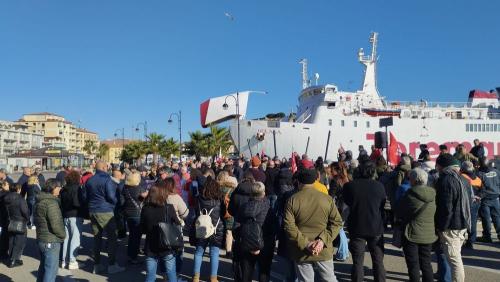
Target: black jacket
x=16, y=207
x=23, y=179
x=239, y=197
x=452, y=201
x=478, y=151
x=271, y=180
x=70, y=201
x=366, y=200
x=260, y=210
x=152, y=215
x=218, y=209
x=30, y=191
x=132, y=200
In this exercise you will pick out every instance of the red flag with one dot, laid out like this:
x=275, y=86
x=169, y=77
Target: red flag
x=294, y=164
x=393, y=150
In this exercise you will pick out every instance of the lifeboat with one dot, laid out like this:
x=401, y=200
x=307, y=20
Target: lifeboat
x=382, y=112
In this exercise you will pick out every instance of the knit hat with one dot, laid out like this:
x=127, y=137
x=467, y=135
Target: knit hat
x=307, y=176
x=259, y=190
x=446, y=160
x=255, y=161
x=467, y=167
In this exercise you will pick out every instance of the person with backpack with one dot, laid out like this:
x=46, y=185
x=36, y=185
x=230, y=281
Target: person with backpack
x=227, y=184
x=156, y=211
x=257, y=236
x=208, y=229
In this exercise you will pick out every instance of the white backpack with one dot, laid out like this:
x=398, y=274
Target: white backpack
x=203, y=225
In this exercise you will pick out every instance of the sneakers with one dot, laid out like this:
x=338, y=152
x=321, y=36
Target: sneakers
x=115, y=268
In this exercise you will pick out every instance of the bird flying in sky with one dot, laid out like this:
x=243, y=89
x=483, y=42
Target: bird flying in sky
x=229, y=16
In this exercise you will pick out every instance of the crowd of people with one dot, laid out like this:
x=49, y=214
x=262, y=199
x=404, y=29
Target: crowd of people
x=254, y=210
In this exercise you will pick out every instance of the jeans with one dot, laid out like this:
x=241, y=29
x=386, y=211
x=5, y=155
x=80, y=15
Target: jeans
x=272, y=202
x=167, y=262
x=452, y=241
x=316, y=271
x=49, y=261
x=444, y=269
x=31, y=209
x=214, y=258
x=490, y=211
x=474, y=210
x=17, y=242
x=134, y=236
x=289, y=270
x=104, y=222
x=72, y=226
x=418, y=258
x=376, y=247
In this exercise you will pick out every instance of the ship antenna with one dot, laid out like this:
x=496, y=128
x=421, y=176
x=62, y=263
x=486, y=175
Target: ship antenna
x=369, y=86
x=305, y=78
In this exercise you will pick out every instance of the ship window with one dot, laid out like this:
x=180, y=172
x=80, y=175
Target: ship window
x=249, y=123
x=496, y=127
x=487, y=127
x=467, y=127
x=483, y=127
x=342, y=123
x=355, y=123
x=331, y=105
x=330, y=122
x=367, y=124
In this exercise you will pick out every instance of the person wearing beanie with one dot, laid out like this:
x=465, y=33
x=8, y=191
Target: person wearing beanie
x=258, y=209
x=453, y=214
x=366, y=200
x=468, y=172
x=311, y=223
x=257, y=173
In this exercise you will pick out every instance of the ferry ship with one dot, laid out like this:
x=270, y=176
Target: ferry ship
x=329, y=118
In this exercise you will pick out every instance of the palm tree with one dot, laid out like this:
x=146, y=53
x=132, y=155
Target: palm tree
x=219, y=140
x=134, y=151
x=90, y=147
x=168, y=147
x=154, y=141
x=102, y=150
x=198, y=145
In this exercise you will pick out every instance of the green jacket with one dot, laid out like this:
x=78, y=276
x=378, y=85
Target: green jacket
x=417, y=218
x=48, y=219
x=310, y=215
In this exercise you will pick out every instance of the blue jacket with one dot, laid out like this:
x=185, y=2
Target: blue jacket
x=491, y=182
x=100, y=193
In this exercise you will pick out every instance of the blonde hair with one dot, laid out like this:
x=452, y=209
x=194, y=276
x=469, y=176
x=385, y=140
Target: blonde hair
x=226, y=180
x=133, y=179
x=33, y=180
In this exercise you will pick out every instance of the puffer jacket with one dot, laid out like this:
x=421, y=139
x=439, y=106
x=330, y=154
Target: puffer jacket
x=48, y=219
x=265, y=217
x=218, y=209
x=416, y=210
x=239, y=197
x=452, y=201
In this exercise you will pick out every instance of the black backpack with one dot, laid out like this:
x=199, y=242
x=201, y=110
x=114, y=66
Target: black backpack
x=166, y=236
x=252, y=238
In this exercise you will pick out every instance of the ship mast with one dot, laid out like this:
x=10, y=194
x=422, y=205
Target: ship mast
x=370, y=82
x=305, y=78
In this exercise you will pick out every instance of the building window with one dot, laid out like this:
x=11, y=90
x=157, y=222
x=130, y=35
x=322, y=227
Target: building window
x=342, y=123
x=367, y=124
x=355, y=123
x=330, y=122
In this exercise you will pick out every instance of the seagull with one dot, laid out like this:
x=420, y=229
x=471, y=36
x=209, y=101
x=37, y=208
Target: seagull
x=229, y=16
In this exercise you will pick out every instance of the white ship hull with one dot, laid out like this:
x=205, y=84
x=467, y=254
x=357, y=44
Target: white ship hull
x=294, y=137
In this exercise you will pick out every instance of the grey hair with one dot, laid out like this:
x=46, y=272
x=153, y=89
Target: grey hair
x=419, y=176
x=405, y=160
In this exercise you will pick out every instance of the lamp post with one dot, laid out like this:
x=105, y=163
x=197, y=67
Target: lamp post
x=144, y=127
x=225, y=106
x=122, y=130
x=179, y=121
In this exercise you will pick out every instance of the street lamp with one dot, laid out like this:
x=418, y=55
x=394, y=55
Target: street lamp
x=225, y=106
x=122, y=130
x=144, y=127
x=179, y=120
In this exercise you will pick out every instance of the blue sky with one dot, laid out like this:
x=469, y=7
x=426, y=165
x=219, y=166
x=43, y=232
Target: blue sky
x=112, y=64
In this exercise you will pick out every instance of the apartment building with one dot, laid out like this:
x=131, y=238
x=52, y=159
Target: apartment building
x=82, y=136
x=115, y=149
x=15, y=137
